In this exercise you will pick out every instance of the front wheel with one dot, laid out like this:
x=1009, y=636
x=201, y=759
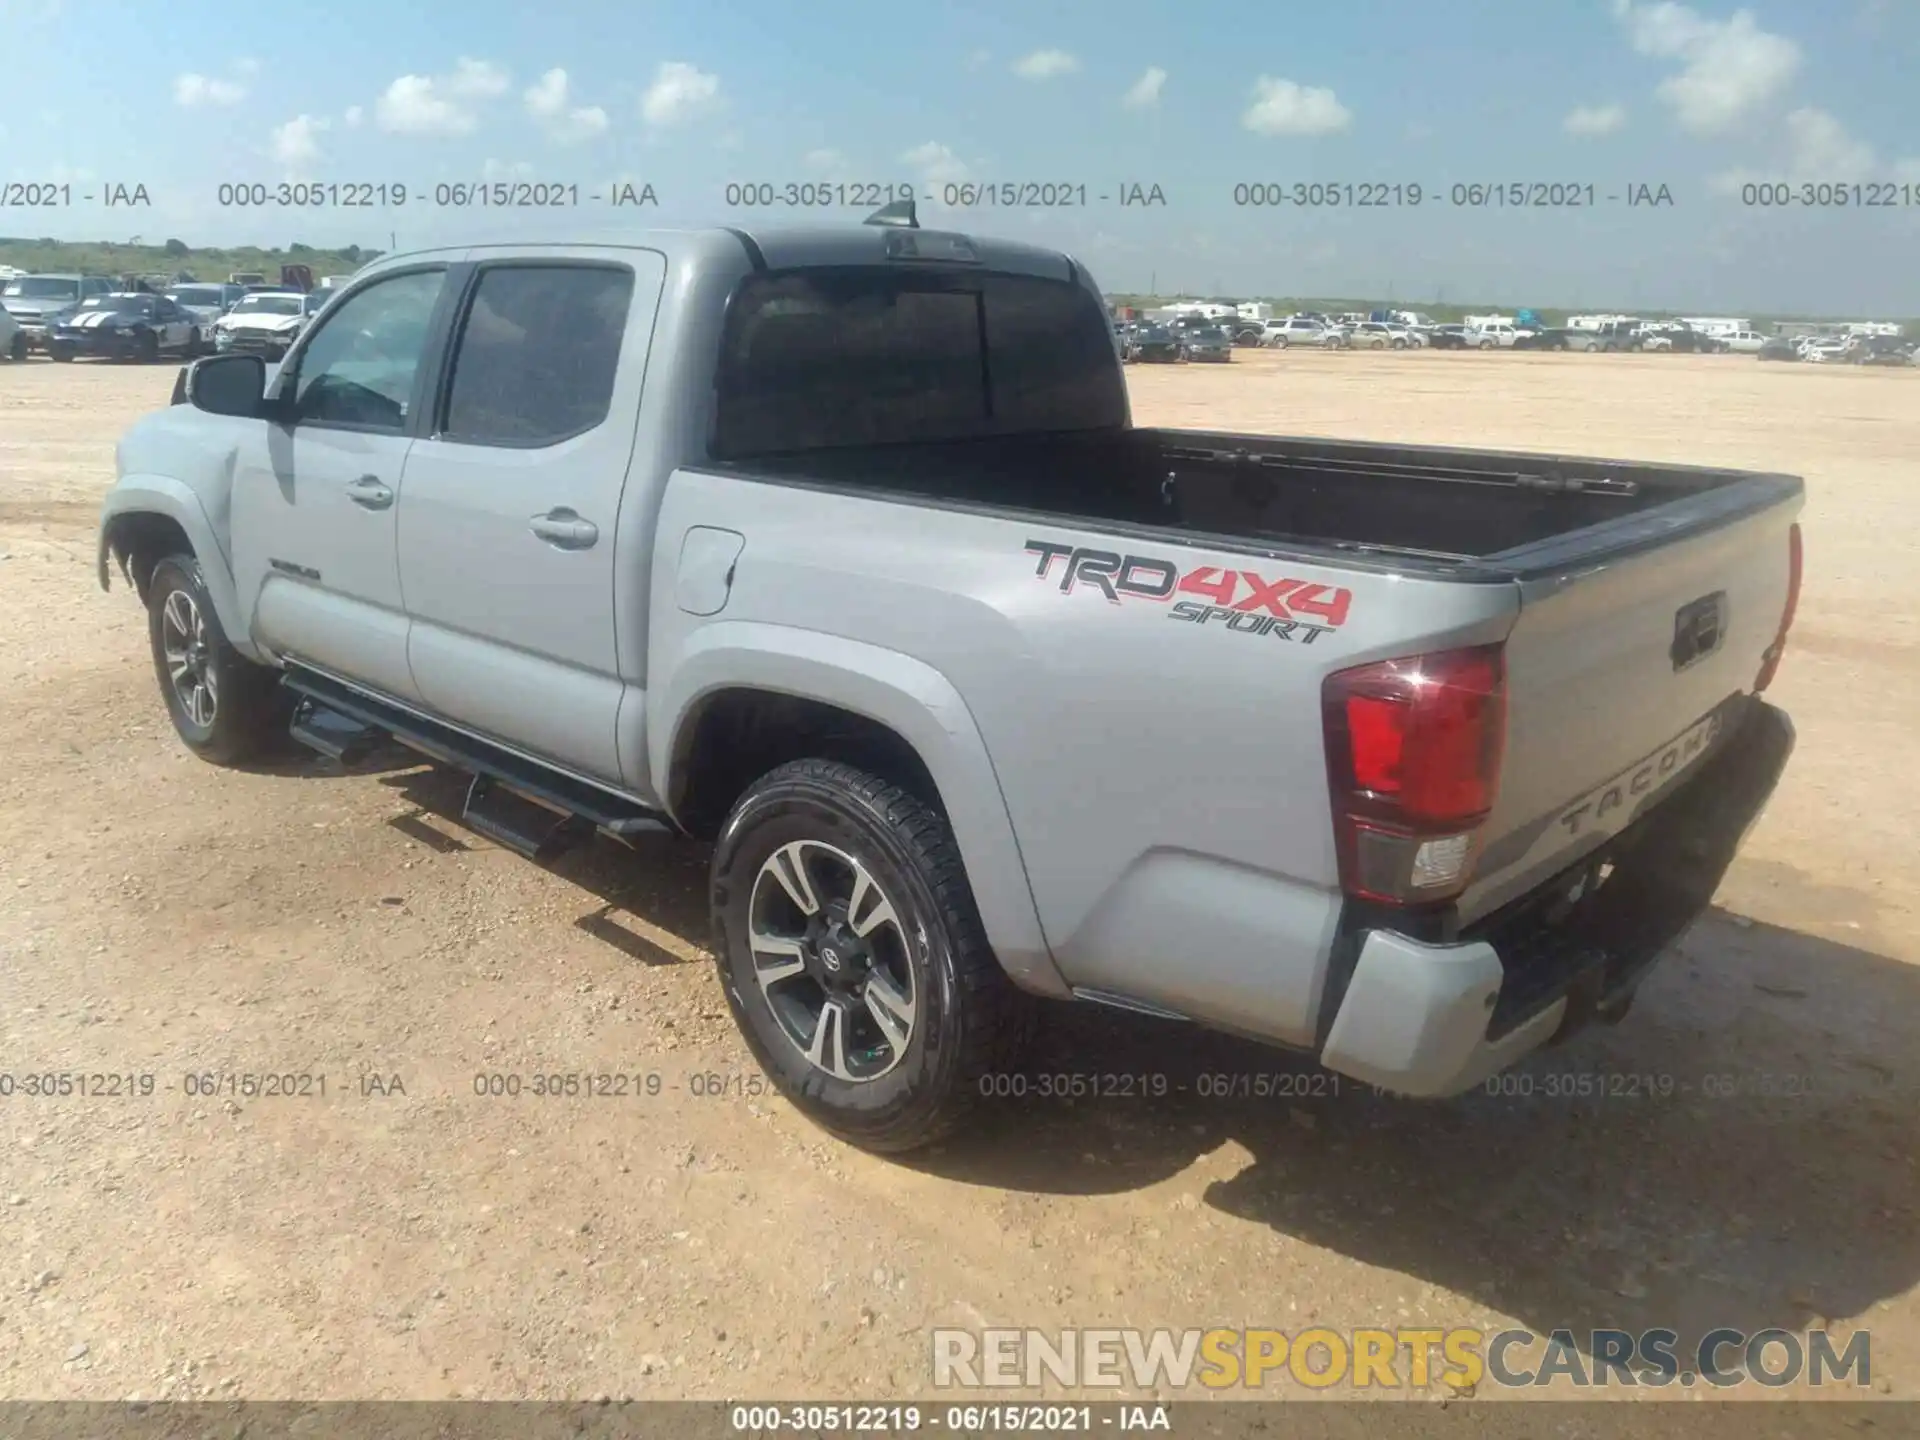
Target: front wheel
x=853, y=957
x=60, y=352
x=18, y=349
x=224, y=707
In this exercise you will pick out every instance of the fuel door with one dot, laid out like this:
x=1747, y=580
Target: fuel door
x=705, y=575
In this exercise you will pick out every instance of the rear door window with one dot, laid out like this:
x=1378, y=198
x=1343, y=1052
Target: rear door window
x=537, y=354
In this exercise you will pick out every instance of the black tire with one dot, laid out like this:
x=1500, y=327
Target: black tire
x=18, y=349
x=249, y=712
x=148, y=350
x=59, y=352
x=194, y=342
x=969, y=1020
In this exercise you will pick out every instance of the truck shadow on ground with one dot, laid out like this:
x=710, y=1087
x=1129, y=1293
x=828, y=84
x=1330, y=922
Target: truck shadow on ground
x=1737, y=1152
x=653, y=896
x=1710, y=1162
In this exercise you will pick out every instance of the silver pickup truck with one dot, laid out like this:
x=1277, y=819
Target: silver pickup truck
x=838, y=549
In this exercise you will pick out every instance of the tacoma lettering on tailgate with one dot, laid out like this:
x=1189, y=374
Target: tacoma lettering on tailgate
x=1241, y=600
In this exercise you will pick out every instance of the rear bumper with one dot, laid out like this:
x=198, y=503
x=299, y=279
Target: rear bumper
x=1429, y=1019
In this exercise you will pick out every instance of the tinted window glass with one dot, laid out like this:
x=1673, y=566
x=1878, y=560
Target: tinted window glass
x=537, y=354
x=360, y=368
x=825, y=358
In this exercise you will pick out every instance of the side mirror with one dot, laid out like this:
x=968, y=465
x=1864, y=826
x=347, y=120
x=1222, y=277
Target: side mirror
x=229, y=385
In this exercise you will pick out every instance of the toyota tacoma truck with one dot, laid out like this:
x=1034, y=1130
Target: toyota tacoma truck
x=838, y=549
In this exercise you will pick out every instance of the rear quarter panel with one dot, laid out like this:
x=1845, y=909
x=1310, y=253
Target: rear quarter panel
x=1165, y=779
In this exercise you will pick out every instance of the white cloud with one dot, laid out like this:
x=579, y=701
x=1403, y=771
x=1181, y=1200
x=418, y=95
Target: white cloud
x=1729, y=68
x=478, y=80
x=197, y=90
x=1144, y=93
x=547, y=102
x=506, y=170
x=680, y=92
x=1818, y=147
x=353, y=116
x=826, y=160
x=1045, y=64
x=1594, y=119
x=1282, y=107
x=1907, y=171
x=938, y=164
x=444, y=105
x=296, y=144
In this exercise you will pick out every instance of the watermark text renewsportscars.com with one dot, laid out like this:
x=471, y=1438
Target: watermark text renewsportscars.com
x=1400, y=1358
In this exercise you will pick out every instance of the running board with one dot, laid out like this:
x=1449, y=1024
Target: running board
x=327, y=732
x=338, y=720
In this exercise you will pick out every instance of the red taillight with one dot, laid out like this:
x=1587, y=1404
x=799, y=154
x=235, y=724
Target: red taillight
x=1413, y=754
x=1770, y=663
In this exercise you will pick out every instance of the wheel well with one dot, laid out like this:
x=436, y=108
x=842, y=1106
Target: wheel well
x=739, y=735
x=141, y=540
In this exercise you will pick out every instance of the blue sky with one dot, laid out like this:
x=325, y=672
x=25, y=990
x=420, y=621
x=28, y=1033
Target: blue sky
x=1195, y=98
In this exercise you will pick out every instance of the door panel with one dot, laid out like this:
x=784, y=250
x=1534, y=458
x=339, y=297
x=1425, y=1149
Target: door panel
x=507, y=535
x=314, y=499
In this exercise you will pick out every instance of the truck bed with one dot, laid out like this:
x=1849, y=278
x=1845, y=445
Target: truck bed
x=1439, y=503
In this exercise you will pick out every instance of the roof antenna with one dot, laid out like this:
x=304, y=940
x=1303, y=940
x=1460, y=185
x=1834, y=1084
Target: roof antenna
x=899, y=213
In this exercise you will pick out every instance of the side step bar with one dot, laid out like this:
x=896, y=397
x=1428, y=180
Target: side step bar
x=344, y=724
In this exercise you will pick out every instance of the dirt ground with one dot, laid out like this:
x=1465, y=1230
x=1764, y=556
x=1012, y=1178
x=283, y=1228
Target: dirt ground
x=161, y=917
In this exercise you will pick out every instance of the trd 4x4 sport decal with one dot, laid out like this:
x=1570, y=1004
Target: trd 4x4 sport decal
x=1241, y=600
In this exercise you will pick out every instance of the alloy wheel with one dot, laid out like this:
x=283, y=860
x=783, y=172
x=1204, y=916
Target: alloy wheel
x=831, y=956
x=189, y=654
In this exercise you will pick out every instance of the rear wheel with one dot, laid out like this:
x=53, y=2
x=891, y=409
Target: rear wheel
x=853, y=957
x=223, y=706
x=148, y=349
x=18, y=349
x=59, y=351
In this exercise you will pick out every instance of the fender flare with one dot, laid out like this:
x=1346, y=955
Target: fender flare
x=162, y=495
x=917, y=703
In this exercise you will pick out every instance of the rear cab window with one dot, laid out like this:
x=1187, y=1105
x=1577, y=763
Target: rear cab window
x=839, y=357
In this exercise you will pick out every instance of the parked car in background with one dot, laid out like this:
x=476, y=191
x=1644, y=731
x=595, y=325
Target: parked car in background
x=1744, y=342
x=1378, y=335
x=206, y=303
x=1820, y=352
x=1882, y=350
x=265, y=322
x=1414, y=335
x=1159, y=345
x=1448, y=337
x=127, y=325
x=1549, y=337
x=13, y=341
x=1209, y=343
x=1492, y=335
x=1619, y=335
x=1780, y=347
x=1305, y=330
x=34, y=300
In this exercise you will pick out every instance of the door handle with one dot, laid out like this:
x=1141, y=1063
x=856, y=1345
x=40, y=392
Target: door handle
x=564, y=529
x=367, y=491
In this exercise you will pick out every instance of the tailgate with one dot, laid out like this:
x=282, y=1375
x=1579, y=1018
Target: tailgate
x=1618, y=669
